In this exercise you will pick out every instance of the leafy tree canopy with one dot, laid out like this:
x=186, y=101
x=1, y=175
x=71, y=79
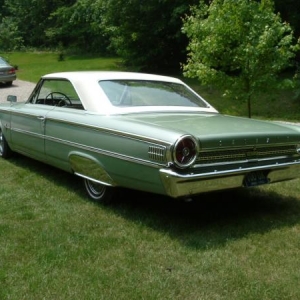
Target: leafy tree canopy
x=238, y=46
x=147, y=33
x=77, y=27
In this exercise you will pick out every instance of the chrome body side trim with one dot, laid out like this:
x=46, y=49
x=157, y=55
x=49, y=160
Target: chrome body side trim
x=87, y=167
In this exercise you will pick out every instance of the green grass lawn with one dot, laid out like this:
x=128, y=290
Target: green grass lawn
x=32, y=65
x=56, y=244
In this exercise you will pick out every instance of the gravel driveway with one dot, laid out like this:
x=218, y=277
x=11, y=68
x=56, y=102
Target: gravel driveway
x=21, y=89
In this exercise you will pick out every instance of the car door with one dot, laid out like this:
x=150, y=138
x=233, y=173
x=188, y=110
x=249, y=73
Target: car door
x=28, y=129
x=28, y=120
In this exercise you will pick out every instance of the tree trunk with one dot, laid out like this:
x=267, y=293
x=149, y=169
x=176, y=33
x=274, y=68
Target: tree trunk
x=249, y=106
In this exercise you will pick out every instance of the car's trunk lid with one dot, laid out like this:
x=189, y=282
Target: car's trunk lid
x=216, y=130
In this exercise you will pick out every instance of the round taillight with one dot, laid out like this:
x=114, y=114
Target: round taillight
x=185, y=151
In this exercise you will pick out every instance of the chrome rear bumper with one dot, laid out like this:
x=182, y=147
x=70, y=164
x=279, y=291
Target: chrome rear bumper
x=184, y=185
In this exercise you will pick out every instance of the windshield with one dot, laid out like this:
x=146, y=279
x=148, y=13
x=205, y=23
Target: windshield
x=149, y=93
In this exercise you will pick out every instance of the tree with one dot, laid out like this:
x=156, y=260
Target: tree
x=31, y=17
x=289, y=11
x=238, y=46
x=146, y=34
x=10, y=38
x=78, y=26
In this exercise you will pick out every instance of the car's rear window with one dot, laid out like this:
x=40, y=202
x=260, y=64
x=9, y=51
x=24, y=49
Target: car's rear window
x=149, y=93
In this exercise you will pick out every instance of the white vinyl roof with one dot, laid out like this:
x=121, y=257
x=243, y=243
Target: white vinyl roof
x=86, y=84
x=109, y=75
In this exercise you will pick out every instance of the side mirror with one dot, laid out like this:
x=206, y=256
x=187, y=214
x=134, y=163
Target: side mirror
x=12, y=98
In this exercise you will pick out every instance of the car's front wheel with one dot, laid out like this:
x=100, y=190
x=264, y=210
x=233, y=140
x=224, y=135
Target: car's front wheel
x=5, y=151
x=99, y=192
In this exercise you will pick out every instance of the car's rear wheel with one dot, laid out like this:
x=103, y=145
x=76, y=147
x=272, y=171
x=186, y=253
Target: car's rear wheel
x=5, y=151
x=99, y=192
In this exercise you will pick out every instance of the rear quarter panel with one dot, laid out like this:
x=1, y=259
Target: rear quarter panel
x=122, y=153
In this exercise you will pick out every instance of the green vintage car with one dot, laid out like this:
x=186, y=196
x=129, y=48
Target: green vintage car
x=145, y=132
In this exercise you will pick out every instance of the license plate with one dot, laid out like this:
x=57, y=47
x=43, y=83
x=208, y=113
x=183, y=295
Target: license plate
x=255, y=178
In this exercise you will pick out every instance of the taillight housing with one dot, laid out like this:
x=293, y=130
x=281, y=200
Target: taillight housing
x=185, y=151
x=12, y=71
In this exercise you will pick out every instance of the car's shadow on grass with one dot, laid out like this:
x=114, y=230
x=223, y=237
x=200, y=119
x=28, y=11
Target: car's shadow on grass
x=210, y=220
x=215, y=218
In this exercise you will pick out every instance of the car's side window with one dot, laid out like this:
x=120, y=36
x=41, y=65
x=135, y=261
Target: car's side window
x=56, y=92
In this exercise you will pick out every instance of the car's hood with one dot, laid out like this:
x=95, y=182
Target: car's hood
x=221, y=130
